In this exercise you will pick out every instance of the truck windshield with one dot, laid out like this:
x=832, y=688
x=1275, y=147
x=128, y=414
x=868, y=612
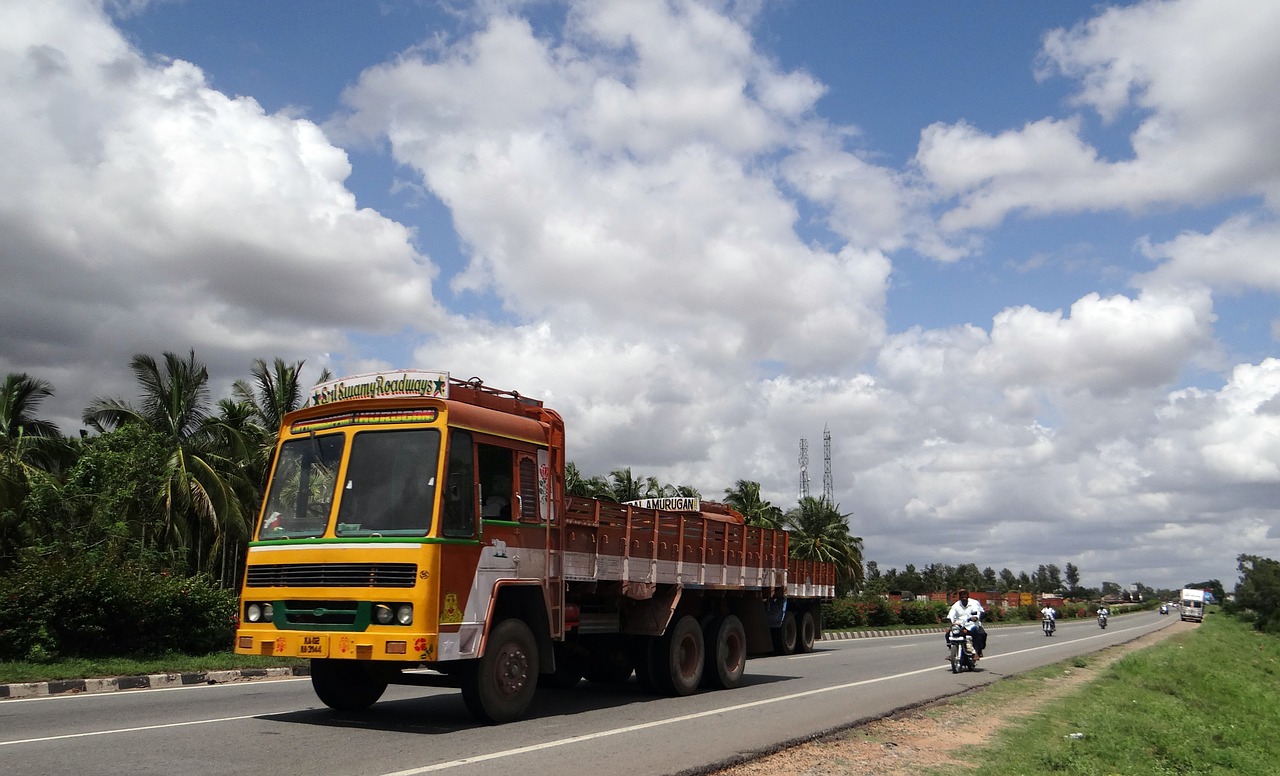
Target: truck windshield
x=390, y=483
x=302, y=488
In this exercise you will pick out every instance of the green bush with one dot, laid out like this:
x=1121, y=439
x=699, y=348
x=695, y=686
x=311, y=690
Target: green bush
x=60, y=607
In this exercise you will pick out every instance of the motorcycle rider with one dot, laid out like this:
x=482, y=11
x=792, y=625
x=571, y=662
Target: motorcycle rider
x=1103, y=614
x=1048, y=613
x=961, y=611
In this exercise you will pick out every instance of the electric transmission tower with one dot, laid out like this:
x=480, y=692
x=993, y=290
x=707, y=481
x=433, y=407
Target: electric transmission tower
x=804, y=468
x=828, y=487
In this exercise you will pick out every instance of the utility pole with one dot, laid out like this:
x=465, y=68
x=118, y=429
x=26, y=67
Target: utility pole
x=828, y=485
x=804, y=469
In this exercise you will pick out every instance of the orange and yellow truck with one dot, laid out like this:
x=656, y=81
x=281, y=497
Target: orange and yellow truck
x=416, y=530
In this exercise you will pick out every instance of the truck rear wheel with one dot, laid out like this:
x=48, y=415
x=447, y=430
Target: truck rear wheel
x=678, y=658
x=808, y=632
x=726, y=642
x=784, y=636
x=345, y=685
x=501, y=683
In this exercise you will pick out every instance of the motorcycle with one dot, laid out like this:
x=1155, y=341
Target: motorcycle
x=1164, y=608
x=1102, y=621
x=1049, y=624
x=960, y=649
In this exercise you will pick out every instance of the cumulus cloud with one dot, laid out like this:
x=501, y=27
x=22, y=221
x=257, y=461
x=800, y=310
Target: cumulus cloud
x=1196, y=78
x=145, y=211
x=692, y=264
x=617, y=183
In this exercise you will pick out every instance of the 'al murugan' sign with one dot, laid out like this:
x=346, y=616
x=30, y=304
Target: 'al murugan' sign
x=383, y=385
x=669, y=504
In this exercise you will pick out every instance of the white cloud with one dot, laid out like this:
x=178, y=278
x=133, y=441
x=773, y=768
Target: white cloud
x=627, y=197
x=145, y=211
x=638, y=191
x=1199, y=79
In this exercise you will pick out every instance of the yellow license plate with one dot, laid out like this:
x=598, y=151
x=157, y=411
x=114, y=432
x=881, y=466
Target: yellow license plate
x=313, y=646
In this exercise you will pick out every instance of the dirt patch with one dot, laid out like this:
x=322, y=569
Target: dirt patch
x=905, y=743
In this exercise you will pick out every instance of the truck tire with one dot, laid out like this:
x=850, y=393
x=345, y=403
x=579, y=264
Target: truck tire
x=784, y=636
x=726, y=642
x=808, y=632
x=345, y=685
x=678, y=657
x=642, y=655
x=501, y=683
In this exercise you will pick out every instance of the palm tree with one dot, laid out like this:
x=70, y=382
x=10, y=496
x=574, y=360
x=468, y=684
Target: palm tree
x=744, y=496
x=31, y=440
x=819, y=531
x=274, y=392
x=576, y=485
x=200, y=505
x=623, y=486
x=30, y=449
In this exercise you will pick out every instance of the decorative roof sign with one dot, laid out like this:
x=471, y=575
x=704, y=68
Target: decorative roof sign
x=669, y=504
x=383, y=385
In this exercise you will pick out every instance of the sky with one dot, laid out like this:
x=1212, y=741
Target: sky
x=1021, y=261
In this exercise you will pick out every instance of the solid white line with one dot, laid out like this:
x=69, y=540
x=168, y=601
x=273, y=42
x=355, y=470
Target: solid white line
x=127, y=730
x=686, y=717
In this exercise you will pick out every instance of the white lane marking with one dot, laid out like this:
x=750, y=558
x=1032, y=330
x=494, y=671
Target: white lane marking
x=525, y=749
x=686, y=717
x=127, y=730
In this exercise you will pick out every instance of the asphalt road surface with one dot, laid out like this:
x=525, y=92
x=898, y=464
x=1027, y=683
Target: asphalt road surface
x=280, y=728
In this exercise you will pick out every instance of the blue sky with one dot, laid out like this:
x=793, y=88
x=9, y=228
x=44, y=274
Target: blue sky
x=1019, y=258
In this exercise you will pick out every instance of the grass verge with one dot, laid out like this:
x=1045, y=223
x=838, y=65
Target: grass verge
x=1198, y=703
x=19, y=672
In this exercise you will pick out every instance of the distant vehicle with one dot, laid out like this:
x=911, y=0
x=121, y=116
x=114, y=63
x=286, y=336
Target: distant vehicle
x=1164, y=608
x=1192, y=605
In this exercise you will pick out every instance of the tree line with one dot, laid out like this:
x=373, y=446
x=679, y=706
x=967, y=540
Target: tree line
x=173, y=479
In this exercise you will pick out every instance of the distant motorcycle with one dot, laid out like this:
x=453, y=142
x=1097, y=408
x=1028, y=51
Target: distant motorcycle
x=1049, y=624
x=960, y=649
x=1164, y=608
x=1102, y=621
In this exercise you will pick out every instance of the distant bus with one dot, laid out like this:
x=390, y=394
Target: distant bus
x=1192, y=605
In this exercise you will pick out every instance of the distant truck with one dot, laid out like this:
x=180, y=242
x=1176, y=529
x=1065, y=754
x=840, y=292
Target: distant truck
x=414, y=520
x=1192, y=605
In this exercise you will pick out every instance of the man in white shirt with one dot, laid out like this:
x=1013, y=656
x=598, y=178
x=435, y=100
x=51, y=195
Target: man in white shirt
x=1049, y=614
x=961, y=611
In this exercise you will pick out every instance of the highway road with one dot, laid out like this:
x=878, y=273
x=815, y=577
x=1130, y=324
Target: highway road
x=279, y=728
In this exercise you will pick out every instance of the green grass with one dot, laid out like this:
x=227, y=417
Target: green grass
x=1203, y=702
x=19, y=672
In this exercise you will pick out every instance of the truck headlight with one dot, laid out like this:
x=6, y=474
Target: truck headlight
x=382, y=614
x=404, y=615
x=253, y=613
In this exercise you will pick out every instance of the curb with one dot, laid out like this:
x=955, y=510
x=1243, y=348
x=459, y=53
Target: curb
x=840, y=636
x=147, y=682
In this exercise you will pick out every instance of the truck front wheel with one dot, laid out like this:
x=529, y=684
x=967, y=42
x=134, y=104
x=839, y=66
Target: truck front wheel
x=345, y=685
x=500, y=685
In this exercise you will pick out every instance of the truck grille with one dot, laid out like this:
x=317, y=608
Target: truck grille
x=333, y=575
